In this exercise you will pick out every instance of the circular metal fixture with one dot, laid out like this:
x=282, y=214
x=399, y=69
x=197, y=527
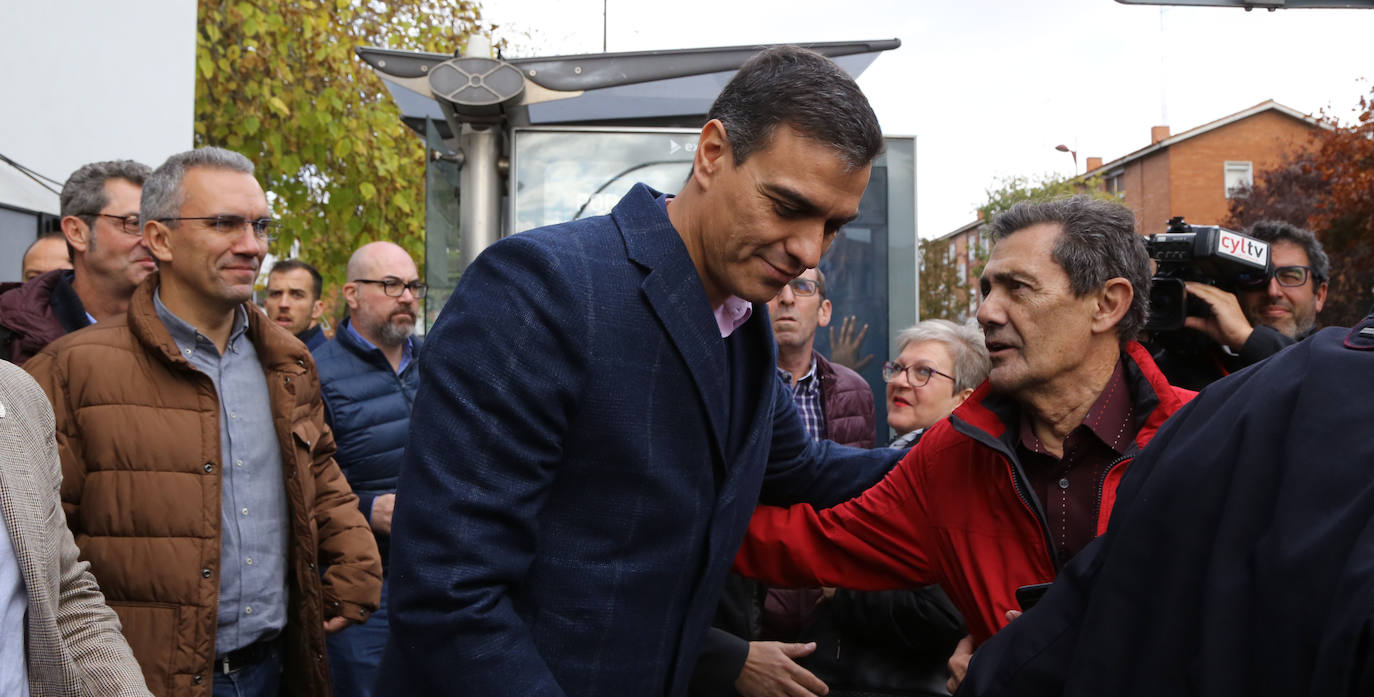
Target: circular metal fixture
x=476, y=86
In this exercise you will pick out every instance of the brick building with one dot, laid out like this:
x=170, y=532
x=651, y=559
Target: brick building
x=1193, y=174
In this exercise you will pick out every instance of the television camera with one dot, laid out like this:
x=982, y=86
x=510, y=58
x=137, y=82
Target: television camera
x=1203, y=253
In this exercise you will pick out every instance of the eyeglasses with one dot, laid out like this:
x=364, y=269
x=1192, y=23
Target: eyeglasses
x=230, y=224
x=917, y=375
x=127, y=223
x=1287, y=276
x=395, y=287
x=804, y=286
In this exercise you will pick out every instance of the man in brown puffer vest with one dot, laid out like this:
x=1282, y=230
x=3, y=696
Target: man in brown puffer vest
x=198, y=475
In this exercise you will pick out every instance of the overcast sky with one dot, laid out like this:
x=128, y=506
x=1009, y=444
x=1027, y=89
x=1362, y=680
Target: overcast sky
x=989, y=87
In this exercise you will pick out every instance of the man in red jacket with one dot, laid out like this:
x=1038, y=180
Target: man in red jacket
x=1024, y=474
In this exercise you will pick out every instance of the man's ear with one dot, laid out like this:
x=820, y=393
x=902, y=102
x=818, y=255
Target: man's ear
x=158, y=237
x=316, y=310
x=1113, y=300
x=1321, y=296
x=350, y=295
x=77, y=232
x=713, y=153
x=823, y=313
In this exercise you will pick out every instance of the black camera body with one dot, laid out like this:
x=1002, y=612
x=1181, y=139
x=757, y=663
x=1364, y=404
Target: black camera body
x=1204, y=253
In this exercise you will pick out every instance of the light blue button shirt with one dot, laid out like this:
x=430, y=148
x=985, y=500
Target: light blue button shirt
x=254, y=521
x=14, y=602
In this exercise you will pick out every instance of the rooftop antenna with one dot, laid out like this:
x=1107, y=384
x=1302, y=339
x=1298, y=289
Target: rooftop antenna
x=1163, y=72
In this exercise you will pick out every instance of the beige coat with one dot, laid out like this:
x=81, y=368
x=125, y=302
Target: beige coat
x=72, y=639
x=138, y=431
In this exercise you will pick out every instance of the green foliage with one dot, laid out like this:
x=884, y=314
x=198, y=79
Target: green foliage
x=943, y=294
x=1008, y=191
x=278, y=82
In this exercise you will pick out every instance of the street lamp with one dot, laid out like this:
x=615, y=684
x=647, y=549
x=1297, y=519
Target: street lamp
x=1064, y=148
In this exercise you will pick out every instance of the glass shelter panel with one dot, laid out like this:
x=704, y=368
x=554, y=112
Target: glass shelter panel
x=442, y=198
x=562, y=174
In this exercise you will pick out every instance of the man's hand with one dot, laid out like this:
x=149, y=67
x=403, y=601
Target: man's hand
x=382, y=506
x=1227, y=325
x=844, y=349
x=958, y=663
x=769, y=671
x=334, y=625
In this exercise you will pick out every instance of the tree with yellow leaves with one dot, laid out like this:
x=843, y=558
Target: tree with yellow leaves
x=278, y=82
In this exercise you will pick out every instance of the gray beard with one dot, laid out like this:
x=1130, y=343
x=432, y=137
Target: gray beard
x=393, y=335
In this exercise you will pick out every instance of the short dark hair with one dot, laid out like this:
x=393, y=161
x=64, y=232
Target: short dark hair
x=1099, y=243
x=83, y=194
x=285, y=265
x=162, y=194
x=1274, y=230
x=84, y=191
x=805, y=90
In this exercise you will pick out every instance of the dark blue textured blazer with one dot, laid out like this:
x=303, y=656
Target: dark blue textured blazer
x=585, y=453
x=367, y=405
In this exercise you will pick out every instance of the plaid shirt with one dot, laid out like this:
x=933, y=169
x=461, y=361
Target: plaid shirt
x=806, y=392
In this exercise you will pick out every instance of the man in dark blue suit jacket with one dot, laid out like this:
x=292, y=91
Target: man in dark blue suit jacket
x=598, y=412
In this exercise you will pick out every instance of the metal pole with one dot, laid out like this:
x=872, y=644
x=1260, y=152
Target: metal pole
x=479, y=210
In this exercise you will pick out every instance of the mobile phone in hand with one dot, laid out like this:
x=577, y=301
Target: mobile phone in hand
x=1028, y=596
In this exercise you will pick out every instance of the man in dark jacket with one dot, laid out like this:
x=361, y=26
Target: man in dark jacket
x=764, y=638
x=368, y=376
x=599, y=411
x=834, y=401
x=293, y=300
x=99, y=207
x=1239, y=560
x=1253, y=323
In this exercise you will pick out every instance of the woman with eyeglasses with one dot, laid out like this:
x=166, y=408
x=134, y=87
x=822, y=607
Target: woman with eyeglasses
x=938, y=365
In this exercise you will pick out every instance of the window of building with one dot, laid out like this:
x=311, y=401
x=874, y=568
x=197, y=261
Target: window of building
x=1114, y=183
x=1240, y=176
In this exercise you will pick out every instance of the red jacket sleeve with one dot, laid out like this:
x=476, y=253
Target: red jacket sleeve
x=878, y=541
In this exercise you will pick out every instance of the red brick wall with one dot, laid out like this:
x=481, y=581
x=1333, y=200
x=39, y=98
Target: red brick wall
x=1188, y=178
x=1156, y=187
x=1197, y=179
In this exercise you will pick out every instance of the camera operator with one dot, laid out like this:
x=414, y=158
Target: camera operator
x=1262, y=319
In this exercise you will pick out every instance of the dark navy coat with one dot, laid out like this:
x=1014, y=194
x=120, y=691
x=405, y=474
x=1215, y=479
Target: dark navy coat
x=1240, y=557
x=585, y=453
x=367, y=405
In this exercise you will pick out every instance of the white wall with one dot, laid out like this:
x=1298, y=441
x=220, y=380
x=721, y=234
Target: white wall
x=88, y=80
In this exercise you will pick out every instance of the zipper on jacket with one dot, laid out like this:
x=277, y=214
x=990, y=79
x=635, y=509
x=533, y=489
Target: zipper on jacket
x=1017, y=481
x=1102, y=483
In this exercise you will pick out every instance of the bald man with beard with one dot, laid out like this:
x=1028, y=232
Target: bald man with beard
x=369, y=378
